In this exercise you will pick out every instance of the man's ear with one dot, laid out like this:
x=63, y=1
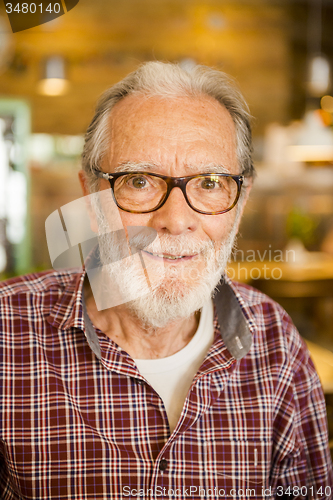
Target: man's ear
x=85, y=189
x=84, y=182
x=248, y=186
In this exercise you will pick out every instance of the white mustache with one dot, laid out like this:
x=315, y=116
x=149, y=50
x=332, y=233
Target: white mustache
x=179, y=246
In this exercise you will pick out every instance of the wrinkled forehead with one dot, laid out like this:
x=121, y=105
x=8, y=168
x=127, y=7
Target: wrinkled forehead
x=170, y=114
x=143, y=127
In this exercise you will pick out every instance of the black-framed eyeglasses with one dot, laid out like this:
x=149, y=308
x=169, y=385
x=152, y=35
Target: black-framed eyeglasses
x=145, y=192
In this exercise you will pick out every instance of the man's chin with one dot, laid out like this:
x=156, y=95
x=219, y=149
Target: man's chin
x=171, y=301
x=173, y=290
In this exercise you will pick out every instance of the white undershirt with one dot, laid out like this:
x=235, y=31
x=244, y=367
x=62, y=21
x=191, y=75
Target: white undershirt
x=172, y=377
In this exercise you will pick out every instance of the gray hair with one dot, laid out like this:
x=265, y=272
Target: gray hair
x=169, y=80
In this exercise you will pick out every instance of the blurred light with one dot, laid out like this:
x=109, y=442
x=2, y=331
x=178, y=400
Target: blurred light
x=54, y=80
x=69, y=145
x=216, y=21
x=326, y=103
x=41, y=148
x=319, y=75
x=310, y=153
x=314, y=142
x=16, y=206
x=53, y=86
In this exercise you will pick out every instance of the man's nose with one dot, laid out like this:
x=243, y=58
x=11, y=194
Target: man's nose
x=175, y=216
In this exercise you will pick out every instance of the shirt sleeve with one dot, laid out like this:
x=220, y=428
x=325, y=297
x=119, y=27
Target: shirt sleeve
x=302, y=464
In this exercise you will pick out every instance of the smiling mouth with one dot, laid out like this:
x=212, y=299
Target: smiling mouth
x=165, y=256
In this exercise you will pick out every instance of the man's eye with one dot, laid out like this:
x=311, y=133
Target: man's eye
x=138, y=182
x=208, y=184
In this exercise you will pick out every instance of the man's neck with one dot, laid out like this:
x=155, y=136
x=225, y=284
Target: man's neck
x=141, y=342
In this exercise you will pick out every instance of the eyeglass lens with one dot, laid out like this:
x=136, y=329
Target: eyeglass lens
x=143, y=192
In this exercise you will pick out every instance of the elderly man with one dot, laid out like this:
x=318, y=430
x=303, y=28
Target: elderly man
x=201, y=388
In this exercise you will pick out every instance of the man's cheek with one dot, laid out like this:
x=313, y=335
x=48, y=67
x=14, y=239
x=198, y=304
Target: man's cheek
x=194, y=274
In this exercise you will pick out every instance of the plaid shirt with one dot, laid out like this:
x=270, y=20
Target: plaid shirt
x=78, y=421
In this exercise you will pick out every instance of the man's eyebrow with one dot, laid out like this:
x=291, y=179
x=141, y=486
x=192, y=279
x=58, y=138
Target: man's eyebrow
x=214, y=168
x=131, y=166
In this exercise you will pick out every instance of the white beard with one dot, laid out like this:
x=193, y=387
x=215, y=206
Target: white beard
x=183, y=290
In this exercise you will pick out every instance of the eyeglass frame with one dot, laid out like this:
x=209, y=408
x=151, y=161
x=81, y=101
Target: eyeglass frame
x=171, y=182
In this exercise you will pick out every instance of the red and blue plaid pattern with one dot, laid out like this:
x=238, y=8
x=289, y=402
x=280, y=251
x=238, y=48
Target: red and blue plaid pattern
x=73, y=426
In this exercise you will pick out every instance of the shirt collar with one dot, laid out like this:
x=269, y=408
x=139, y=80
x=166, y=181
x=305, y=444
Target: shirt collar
x=68, y=310
x=236, y=323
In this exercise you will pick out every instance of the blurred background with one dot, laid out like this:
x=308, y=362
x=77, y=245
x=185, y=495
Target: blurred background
x=281, y=54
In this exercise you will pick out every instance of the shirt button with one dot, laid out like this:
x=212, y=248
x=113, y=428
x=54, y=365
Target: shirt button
x=139, y=381
x=163, y=464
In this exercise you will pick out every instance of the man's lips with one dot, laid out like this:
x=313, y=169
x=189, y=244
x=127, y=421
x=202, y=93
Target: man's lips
x=169, y=257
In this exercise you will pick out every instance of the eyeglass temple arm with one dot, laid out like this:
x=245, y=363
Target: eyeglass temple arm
x=102, y=175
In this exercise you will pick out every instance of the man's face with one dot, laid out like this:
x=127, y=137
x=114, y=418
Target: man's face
x=177, y=137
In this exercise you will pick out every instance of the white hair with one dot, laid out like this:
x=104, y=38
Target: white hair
x=169, y=80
